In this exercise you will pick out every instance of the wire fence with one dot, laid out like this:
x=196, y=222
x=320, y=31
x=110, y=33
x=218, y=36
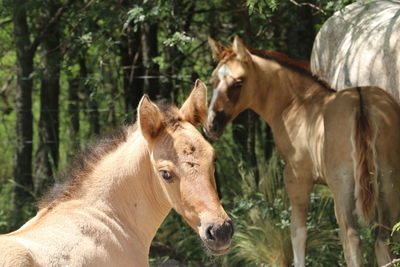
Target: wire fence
x=143, y=77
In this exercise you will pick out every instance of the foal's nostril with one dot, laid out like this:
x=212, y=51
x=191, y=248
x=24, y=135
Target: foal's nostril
x=209, y=234
x=219, y=232
x=217, y=237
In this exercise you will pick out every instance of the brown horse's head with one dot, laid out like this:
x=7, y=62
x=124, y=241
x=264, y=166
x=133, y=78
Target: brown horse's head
x=184, y=165
x=232, y=85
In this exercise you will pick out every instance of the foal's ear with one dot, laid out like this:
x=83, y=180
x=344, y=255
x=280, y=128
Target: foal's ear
x=150, y=119
x=194, y=110
x=216, y=48
x=240, y=50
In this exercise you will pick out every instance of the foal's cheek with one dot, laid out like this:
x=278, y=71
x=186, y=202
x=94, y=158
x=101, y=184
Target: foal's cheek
x=188, y=209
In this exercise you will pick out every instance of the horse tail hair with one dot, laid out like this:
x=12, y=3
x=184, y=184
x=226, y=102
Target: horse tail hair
x=365, y=167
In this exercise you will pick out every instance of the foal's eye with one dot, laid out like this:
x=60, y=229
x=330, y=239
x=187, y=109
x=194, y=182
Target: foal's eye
x=166, y=175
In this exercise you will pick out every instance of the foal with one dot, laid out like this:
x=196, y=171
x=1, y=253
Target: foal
x=125, y=187
x=347, y=140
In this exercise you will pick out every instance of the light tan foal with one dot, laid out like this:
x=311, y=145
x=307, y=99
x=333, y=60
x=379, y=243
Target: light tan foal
x=109, y=213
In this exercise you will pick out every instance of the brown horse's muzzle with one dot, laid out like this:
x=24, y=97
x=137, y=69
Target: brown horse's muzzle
x=216, y=124
x=217, y=237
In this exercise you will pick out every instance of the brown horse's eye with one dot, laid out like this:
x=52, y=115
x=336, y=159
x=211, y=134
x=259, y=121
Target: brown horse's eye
x=236, y=85
x=234, y=91
x=166, y=175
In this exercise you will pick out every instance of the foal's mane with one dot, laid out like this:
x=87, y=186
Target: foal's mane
x=82, y=164
x=84, y=161
x=302, y=67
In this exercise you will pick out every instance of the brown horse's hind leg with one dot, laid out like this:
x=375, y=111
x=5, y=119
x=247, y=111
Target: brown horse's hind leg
x=388, y=214
x=344, y=211
x=299, y=194
x=382, y=251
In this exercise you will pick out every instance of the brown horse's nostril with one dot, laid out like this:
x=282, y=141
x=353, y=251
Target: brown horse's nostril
x=214, y=128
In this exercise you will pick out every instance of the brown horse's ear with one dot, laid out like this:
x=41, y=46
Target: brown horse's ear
x=240, y=50
x=216, y=48
x=194, y=110
x=150, y=119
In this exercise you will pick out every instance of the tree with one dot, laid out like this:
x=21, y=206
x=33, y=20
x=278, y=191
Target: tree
x=47, y=153
x=23, y=186
x=149, y=48
x=132, y=67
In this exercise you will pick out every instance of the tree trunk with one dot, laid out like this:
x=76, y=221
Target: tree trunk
x=74, y=84
x=149, y=43
x=300, y=39
x=91, y=103
x=133, y=70
x=47, y=153
x=22, y=168
x=174, y=57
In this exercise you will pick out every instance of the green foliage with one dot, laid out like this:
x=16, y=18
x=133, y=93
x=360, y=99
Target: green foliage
x=260, y=6
x=178, y=39
x=5, y=206
x=395, y=240
x=262, y=233
x=396, y=227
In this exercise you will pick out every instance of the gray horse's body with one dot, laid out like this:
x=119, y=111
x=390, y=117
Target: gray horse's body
x=360, y=46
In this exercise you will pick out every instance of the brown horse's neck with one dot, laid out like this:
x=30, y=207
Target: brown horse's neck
x=280, y=89
x=124, y=186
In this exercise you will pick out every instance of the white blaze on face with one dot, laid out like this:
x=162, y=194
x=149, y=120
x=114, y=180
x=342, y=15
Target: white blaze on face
x=223, y=72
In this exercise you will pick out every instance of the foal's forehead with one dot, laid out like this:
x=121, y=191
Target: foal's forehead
x=188, y=137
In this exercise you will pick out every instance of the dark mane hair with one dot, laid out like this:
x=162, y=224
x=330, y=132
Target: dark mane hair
x=84, y=161
x=302, y=67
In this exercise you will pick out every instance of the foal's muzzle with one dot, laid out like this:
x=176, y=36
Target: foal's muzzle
x=217, y=237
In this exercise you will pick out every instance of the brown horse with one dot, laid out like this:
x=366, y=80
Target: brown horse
x=347, y=140
x=124, y=188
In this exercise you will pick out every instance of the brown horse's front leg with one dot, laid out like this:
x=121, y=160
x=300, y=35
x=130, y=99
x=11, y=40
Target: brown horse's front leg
x=299, y=189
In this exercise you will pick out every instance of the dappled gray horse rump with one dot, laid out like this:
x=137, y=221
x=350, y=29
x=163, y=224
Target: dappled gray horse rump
x=359, y=46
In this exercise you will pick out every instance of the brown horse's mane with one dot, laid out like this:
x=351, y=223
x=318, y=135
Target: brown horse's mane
x=84, y=161
x=302, y=67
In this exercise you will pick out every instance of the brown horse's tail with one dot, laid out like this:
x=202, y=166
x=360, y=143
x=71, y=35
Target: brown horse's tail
x=365, y=169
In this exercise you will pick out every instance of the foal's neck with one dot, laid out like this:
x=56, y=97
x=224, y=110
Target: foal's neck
x=125, y=181
x=281, y=89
